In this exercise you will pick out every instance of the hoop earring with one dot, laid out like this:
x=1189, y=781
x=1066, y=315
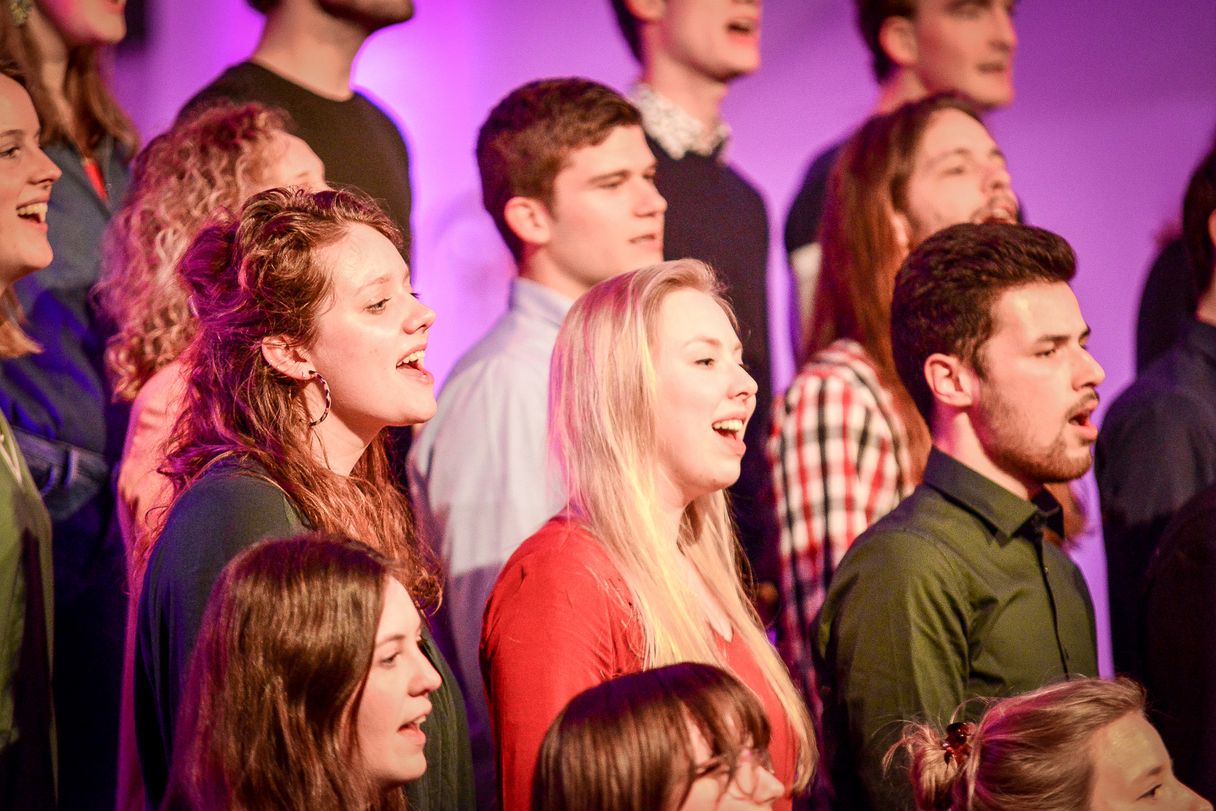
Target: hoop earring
x=20, y=10
x=324, y=388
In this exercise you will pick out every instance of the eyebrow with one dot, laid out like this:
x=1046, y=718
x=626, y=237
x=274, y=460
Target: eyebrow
x=964, y=152
x=714, y=342
x=1062, y=338
x=381, y=279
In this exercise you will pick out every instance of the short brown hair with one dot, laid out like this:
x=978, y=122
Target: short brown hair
x=623, y=745
x=1029, y=751
x=871, y=14
x=524, y=143
x=946, y=289
x=1198, y=206
x=629, y=27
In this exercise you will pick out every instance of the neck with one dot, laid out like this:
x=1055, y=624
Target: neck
x=1206, y=312
x=537, y=266
x=955, y=437
x=699, y=95
x=336, y=446
x=53, y=51
x=305, y=45
x=898, y=89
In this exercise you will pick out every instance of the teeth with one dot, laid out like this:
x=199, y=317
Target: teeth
x=734, y=426
x=416, y=357
x=35, y=210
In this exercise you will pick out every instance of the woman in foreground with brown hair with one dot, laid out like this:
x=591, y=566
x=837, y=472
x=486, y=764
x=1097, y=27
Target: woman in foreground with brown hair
x=309, y=686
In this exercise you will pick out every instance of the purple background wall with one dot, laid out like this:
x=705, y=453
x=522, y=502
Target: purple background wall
x=1116, y=103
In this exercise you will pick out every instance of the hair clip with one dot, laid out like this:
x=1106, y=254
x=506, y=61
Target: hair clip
x=957, y=743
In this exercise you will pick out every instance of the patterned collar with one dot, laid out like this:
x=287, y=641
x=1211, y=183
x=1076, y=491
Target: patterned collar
x=677, y=131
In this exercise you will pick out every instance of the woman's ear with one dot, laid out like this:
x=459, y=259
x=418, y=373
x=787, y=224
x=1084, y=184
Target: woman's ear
x=287, y=358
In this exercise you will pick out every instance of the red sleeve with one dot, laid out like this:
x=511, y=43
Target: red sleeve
x=556, y=623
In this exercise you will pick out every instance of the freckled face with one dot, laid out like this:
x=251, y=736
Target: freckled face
x=371, y=338
x=705, y=397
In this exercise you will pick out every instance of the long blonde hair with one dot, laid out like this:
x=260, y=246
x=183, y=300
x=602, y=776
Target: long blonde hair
x=602, y=435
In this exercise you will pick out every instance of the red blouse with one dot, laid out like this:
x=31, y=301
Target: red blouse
x=560, y=620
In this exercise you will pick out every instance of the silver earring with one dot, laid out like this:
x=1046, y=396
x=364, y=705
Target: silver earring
x=324, y=388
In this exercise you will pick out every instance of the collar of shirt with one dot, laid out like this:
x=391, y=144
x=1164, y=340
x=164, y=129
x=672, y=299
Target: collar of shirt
x=1006, y=513
x=534, y=300
x=675, y=129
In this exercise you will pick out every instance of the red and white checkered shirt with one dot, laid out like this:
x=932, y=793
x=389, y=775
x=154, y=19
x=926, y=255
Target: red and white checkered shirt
x=839, y=457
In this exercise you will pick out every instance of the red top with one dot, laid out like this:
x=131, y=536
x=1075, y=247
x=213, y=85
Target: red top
x=560, y=620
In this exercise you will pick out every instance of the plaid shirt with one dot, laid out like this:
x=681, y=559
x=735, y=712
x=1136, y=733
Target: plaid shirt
x=839, y=456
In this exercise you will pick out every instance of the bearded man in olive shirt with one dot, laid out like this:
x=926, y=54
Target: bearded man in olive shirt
x=954, y=595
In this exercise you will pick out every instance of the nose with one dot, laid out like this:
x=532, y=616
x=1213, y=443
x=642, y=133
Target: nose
x=1004, y=34
x=426, y=678
x=743, y=386
x=45, y=170
x=650, y=203
x=768, y=788
x=1089, y=372
x=418, y=317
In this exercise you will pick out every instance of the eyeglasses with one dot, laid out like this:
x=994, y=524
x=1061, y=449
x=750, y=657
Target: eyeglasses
x=745, y=779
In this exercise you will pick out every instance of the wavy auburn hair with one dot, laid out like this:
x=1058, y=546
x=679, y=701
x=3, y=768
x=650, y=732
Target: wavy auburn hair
x=1029, y=751
x=624, y=745
x=209, y=161
x=268, y=719
x=862, y=251
x=603, y=435
x=254, y=276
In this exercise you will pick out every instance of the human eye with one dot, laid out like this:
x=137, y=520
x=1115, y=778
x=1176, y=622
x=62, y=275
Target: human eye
x=10, y=151
x=651, y=176
x=706, y=362
x=378, y=307
x=1046, y=353
x=1152, y=794
x=390, y=660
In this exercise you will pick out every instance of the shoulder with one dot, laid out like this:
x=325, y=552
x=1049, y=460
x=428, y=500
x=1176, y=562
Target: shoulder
x=240, y=82
x=908, y=544
x=561, y=564
x=840, y=371
x=226, y=509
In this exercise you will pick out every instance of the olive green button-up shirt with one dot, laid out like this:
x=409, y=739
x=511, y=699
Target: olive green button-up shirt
x=951, y=596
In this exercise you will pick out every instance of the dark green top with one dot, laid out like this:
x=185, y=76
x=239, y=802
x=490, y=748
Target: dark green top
x=230, y=507
x=951, y=596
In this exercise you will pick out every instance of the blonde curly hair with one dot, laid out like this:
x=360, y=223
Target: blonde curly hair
x=210, y=161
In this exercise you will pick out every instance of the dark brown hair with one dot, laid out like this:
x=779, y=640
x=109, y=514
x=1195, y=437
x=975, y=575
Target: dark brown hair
x=624, y=745
x=268, y=717
x=93, y=107
x=253, y=276
x=629, y=27
x=947, y=287
x=871, y=14
x=861, y=250
x=1029, y=751
x=1198, y=206
x=524, y=143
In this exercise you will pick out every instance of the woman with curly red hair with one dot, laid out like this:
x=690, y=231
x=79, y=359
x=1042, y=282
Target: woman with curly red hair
x=310, y=342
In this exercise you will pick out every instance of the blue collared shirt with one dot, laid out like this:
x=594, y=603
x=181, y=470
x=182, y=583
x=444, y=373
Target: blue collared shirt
x=479, y=471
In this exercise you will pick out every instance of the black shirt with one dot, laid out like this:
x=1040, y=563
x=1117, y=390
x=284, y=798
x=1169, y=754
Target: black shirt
x=359, y=144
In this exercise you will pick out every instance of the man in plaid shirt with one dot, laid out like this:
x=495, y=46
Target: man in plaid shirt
x=847, y=443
